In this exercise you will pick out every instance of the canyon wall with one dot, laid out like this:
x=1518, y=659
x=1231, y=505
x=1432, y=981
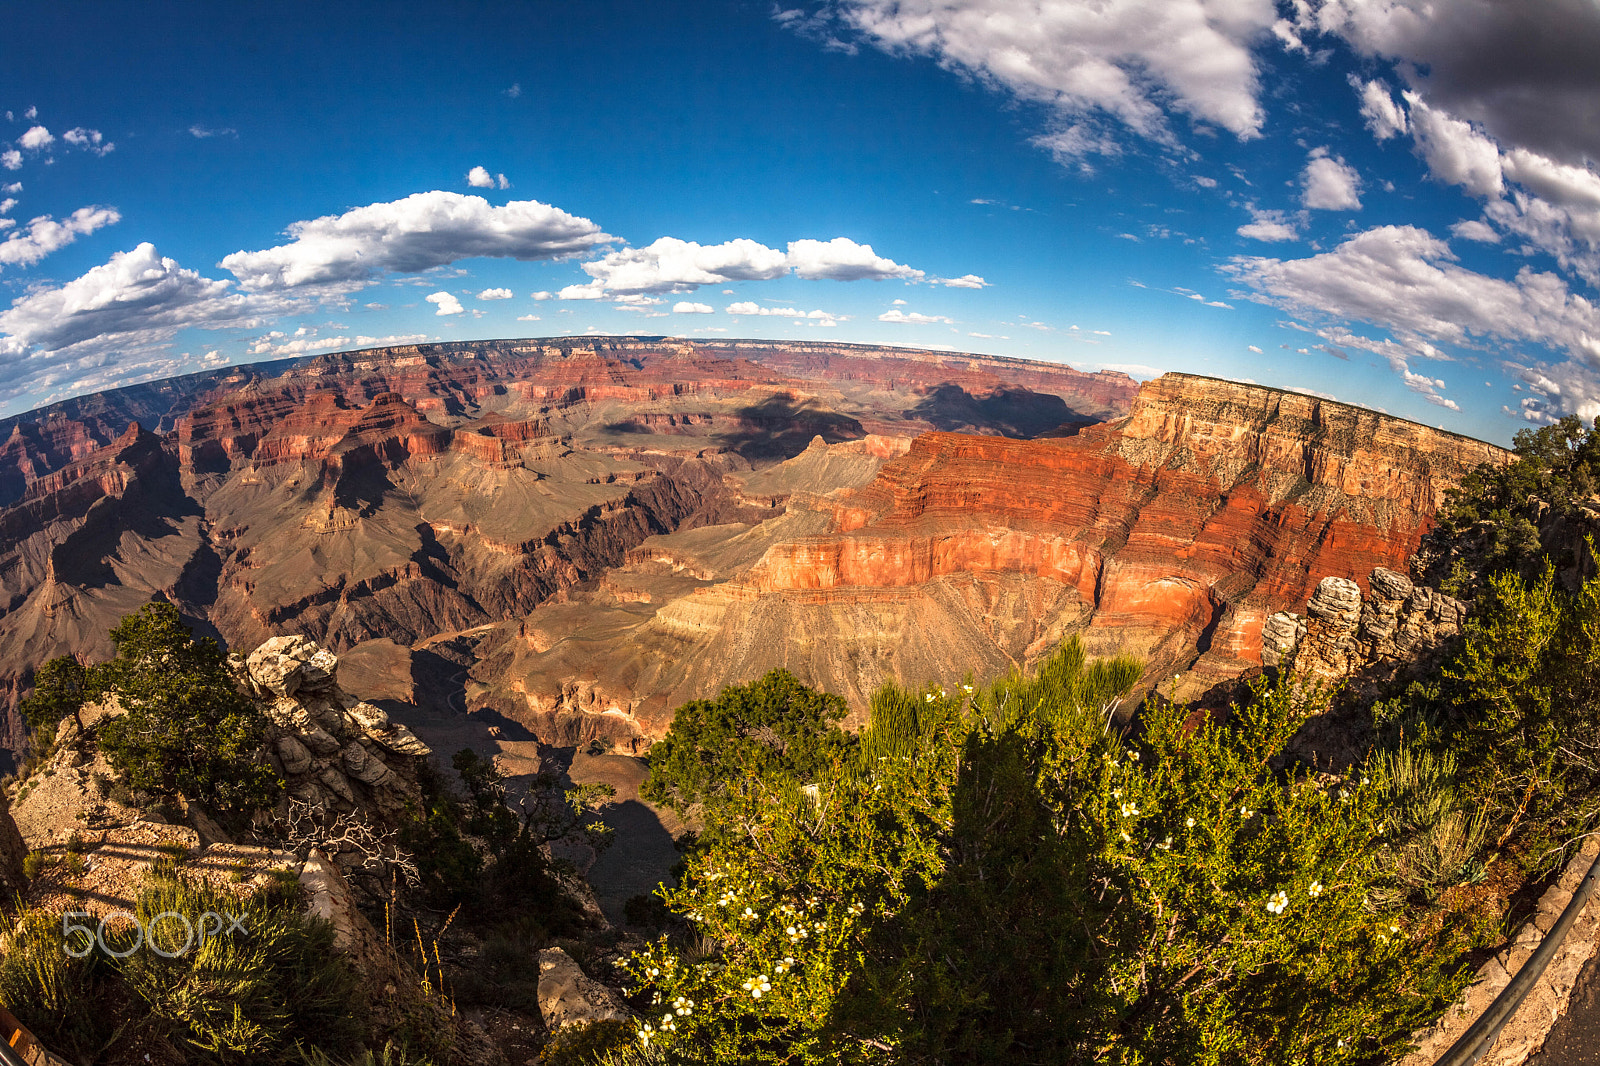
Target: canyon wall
x=408, y=492
x=1172, y=534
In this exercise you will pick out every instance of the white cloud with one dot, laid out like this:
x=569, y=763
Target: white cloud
x=527, y=318
x=542, y=295
x=684, y=307
x=1128, y=59
x=1269, y=226
x=1524, y=71
x=202, y=132
x=89, y=140
x=1456, y=153
x=134, y=301
x=1253, y=348
x=513, y=92
x=424, y=230
x=36, y=140
x=912, y=318
x=31, y=113
x=1330, y=184
x=1471, y=229
x=11, y=159
x=965, y=281
x=271, y=347
x=1205, y=182
x=479, y=178
x=6, y=205
x=11, y=188
x=495, y=294
x=747, y=307
x=673, y=265
x=842, y=259
x=448, y=304
x=1385, y=118
x=1406, y=281
x=44, y=235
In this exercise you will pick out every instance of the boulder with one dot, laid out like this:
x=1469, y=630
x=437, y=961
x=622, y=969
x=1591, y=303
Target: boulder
x=568, y=996
x=1337, y=599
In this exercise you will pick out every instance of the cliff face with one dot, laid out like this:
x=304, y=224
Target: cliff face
x=1172, y=534
x=402, y=493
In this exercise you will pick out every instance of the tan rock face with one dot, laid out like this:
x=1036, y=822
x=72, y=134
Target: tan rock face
x=1174, y=534
x=1394, y=626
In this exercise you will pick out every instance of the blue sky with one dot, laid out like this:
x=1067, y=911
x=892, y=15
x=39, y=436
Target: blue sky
x=1389, y=202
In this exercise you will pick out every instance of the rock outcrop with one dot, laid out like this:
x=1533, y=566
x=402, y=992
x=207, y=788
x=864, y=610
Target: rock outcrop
x=1397, y=626
x=338, y=753
x=568, y=996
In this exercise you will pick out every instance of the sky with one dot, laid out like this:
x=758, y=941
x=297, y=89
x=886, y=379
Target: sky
x=1394, y=203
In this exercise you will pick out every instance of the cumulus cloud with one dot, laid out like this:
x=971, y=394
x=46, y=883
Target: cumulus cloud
x=1253, y=348
x=424, y=230
x=911, y=318
x=1128, y=60
x=482, y=179
x=1524, y=71
x=135, y=301
x=273, y=345
x=527, y=318
x=88, y=140
x=45, y=235
x=1406, y=281
x=1456, y=153
x=1330, y=184
x=672, y=265
x=11, y=159
x=203, y=132
x=1384, y=117
x=495, y=294
x=684, y=307
x=748, y=307
x=1269, y=226
x=965, y=281
x=447, y=304
x=6, y=205
x=36, y=139
x=842, y=259
x=1471, y=229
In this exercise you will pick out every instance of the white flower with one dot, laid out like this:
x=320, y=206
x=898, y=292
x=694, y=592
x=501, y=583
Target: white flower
x=1126, y=838
x=1315, y=889
x=1363, y=780
x=1189, y=823
x=653, y=972
x=928, y=697
x=1245, y=811
x=748, y=913
x=1129, y=810
x=1278, y=902
x=1133, y=756
x=967, y=689
x=757, y=985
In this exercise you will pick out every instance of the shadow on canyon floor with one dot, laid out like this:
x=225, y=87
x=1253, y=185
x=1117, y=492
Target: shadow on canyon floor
x=1011, y=412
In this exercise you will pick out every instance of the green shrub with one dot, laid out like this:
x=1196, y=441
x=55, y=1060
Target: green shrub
x=188, y=730
x=769, y=727
x=1006, y=878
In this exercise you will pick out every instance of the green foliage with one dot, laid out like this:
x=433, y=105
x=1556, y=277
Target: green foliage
x=1435, y=831
x=772, y=727
x=607, y=1043
x=188, y=730
x=238, y=997
x=1487, y=525
x=389, y=1055
x=59, y=690
x=1001, y=876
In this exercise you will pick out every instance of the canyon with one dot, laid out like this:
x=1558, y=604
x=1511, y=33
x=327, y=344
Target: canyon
x=605, y=528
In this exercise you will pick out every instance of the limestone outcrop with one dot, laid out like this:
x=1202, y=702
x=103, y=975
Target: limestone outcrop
x=1343, y=633
x=338, y=753
x=568, y=996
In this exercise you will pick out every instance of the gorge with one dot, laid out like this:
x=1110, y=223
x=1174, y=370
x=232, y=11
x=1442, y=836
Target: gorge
x=628, y=523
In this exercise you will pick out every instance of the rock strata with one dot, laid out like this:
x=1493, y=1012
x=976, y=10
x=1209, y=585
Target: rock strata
x=338, y=753
x=1344, y=633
